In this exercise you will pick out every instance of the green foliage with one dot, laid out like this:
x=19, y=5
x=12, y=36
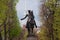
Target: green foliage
x=14, y=32
x=51, y=4
x=6, y=10
x=56, y=24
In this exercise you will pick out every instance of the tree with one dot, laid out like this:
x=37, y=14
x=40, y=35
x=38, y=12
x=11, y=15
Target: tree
x=8, y=17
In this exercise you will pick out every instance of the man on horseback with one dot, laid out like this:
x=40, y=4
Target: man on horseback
x=30, y=22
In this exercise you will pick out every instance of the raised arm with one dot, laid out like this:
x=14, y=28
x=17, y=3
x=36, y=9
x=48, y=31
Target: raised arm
x=24, y=17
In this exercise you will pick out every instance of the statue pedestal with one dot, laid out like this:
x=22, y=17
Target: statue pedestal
x=31, y=38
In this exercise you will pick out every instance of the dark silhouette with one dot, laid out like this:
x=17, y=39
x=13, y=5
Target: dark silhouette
x=0, y=36
x=30, y=22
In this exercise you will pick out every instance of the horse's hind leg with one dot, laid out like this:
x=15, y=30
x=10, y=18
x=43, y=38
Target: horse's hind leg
x=32, y=30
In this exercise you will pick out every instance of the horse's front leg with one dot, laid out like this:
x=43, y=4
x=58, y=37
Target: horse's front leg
x=28, y=31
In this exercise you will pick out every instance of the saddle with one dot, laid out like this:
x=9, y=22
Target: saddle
x=32, y=21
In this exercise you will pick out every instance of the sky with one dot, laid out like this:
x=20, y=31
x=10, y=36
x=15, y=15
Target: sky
x=24, y=5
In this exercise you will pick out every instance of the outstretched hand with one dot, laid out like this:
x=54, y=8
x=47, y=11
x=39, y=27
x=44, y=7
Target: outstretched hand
x=21, y=19
x=36, y=26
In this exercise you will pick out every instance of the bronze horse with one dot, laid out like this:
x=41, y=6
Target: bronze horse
x=30, y=22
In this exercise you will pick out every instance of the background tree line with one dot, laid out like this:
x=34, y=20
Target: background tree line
x=50, y=13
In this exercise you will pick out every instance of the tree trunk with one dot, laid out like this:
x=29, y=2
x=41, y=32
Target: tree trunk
x=0, y=36
x=5, y=31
